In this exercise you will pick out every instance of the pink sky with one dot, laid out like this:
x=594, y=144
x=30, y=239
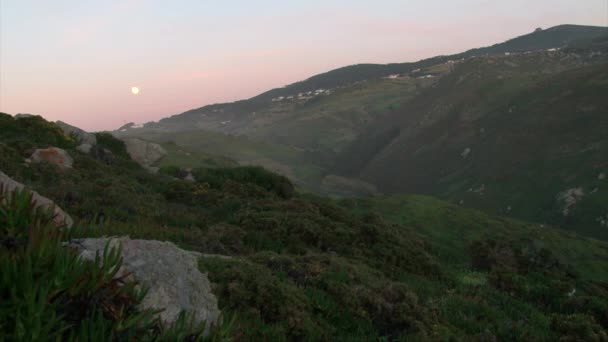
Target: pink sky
x=77, y=61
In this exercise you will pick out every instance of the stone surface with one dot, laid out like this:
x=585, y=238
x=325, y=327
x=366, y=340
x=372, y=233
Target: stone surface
x=7, y=184
x=186, y=174
x=569, y=198
x=54, y=156
x=84, y=148
x=465, y=153
x=145, y=153
x=190, y=177
x=169, y=273
x=81, y=136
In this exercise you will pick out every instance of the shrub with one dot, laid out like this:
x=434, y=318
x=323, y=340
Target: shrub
x=578, y=327
x=266, y=180
x=48, y=293
x=116, y=146
x=32, y=132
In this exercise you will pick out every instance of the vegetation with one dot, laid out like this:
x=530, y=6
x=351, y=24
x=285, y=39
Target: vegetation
x=48, y=293
x=291, y=266
x=490, y=120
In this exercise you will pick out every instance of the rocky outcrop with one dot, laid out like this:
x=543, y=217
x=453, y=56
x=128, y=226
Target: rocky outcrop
x=54, y=156
x=81, y=136
x=84, y=148
x=23, y=116
x=569, y=198
x=145, y=153
x=61, y=218
x=169, y=273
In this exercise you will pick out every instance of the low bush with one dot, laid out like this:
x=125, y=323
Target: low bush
x=266, y=180
x=48, y=293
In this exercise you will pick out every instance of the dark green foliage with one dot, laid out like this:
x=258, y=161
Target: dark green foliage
x=266, y=180
x=504, y=139
x=48, y=293
x=316, y=297
x=26, y=133
x=532, y=273
x=117, y=147
x=300, y=267
x=172, y=171
x=578, y=327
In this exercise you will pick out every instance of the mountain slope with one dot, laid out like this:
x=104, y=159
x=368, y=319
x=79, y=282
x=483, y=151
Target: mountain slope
x=554, y=37
x=226, y=117
x=292, y=267
x=511, y=142
x=514, y=129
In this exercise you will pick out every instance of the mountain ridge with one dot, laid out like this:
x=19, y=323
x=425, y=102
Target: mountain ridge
x=554, y=37
x=420, y=132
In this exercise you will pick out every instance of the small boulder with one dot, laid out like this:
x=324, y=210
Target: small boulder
x=145, y=153
x=186, y=174
x=54, y=156
x=190, y=177
x=84, y=148
x=81, y=136
x=569, y=198
x=61, y=218
x=170, y=274
x=465, y=153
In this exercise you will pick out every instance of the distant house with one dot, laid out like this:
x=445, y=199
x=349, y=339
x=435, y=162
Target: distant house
x=392, y=77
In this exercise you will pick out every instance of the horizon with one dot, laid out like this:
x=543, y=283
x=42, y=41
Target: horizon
x=82, y=66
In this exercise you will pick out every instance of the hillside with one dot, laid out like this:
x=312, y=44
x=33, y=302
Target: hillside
x=293, y=266
x=227, y=117
x=502, y=135
x=514, y=129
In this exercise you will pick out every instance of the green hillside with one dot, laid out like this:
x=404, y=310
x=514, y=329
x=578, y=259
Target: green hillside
x=501, y=135
x=516, y=129
x=554, y=37
x=247, y=116
x=291, y=266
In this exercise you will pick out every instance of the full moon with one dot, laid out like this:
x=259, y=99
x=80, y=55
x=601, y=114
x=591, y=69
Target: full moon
x=134, y=90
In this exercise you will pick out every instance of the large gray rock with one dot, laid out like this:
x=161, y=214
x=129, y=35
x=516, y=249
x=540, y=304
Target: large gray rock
x=61, y=218
x=54, y=156
x=81, y=136
x=169, y=273
x=145, y=153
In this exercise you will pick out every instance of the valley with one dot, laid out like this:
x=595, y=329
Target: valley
x=497, y=128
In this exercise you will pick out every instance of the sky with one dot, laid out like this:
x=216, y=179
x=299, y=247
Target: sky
x=76, y=61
